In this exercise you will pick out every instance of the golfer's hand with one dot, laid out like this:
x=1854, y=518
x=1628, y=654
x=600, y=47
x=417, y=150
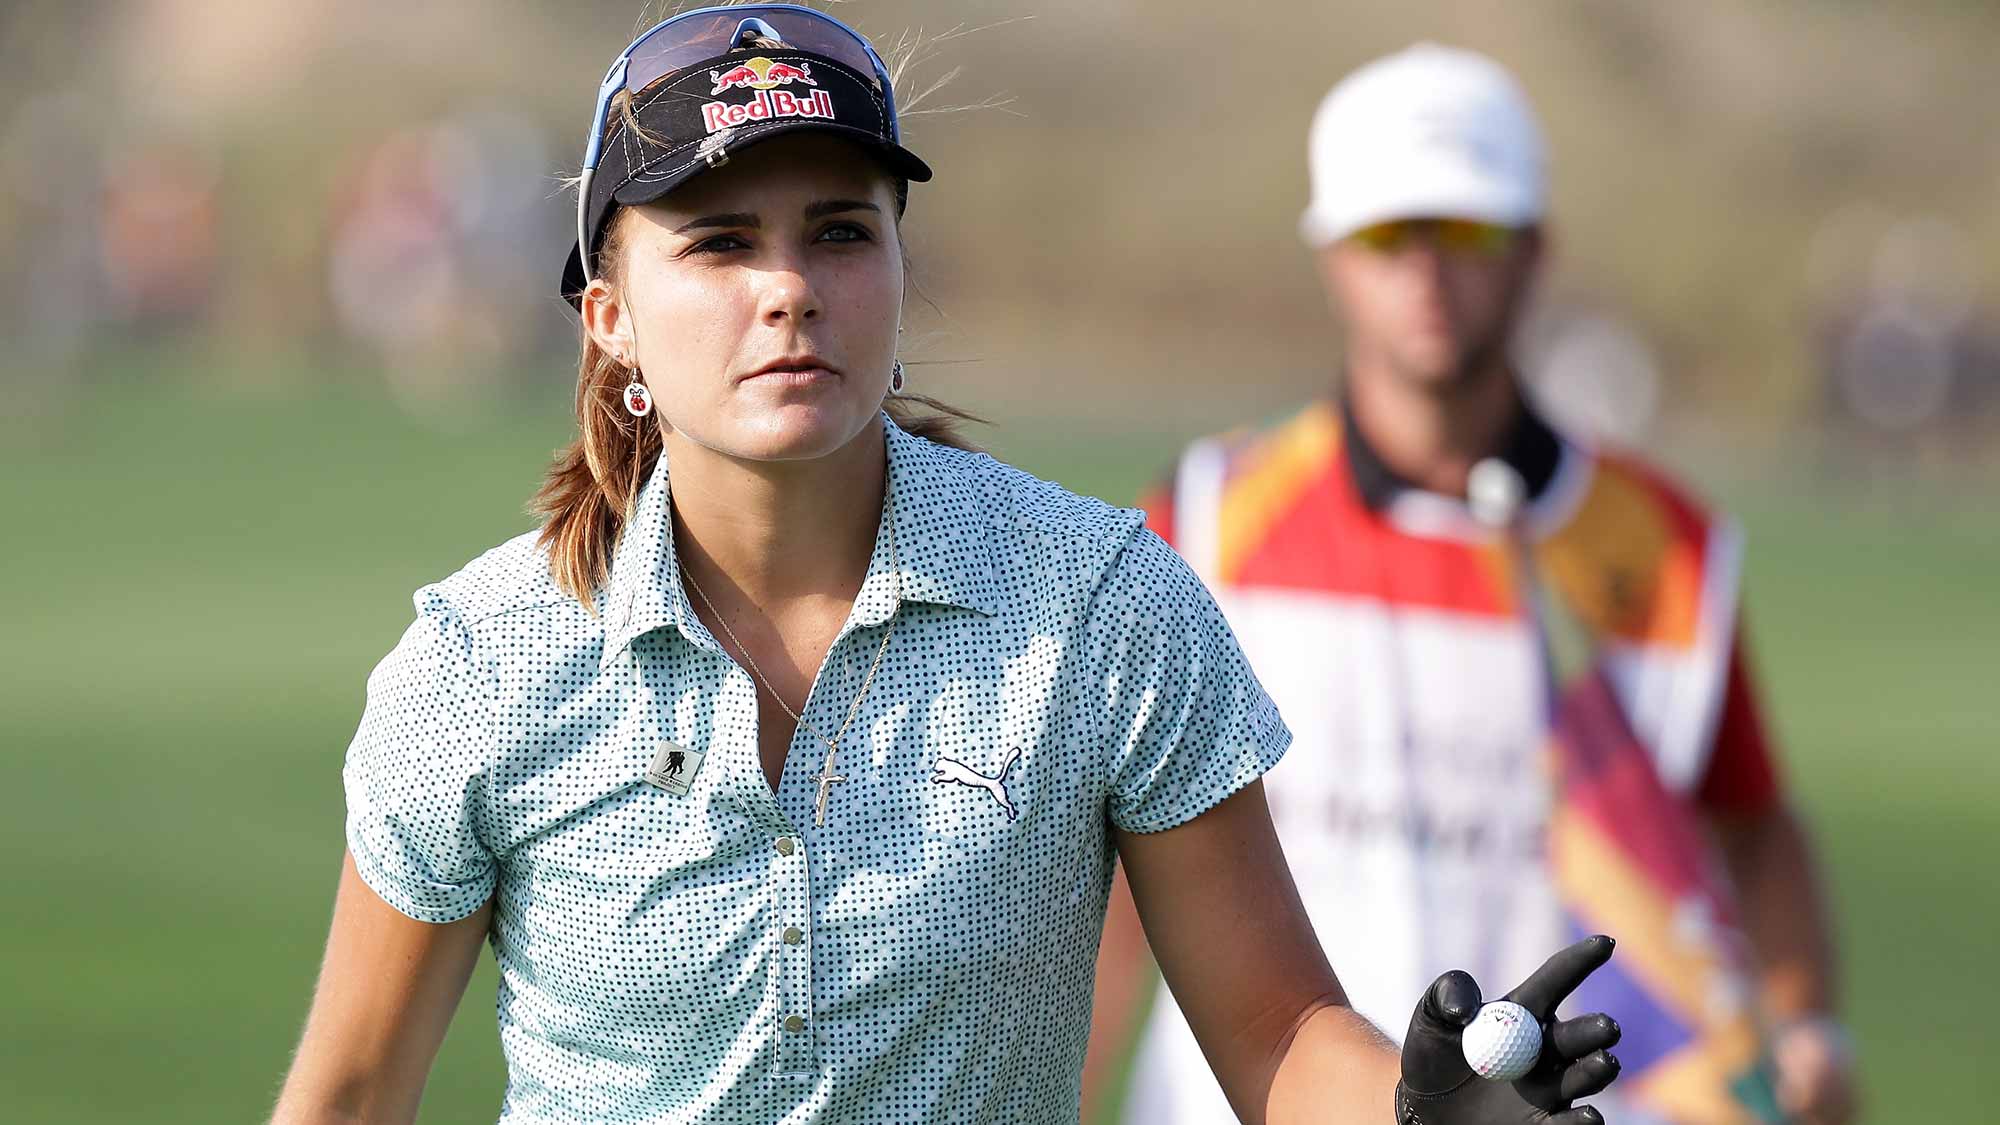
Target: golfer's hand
x=1438, y=1088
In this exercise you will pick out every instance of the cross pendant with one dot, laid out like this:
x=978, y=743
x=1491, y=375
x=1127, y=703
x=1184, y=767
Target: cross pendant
x=827, y=779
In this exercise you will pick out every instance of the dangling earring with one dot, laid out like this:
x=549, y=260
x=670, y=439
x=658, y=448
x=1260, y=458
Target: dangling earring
x=897, y=378
x=638, y=400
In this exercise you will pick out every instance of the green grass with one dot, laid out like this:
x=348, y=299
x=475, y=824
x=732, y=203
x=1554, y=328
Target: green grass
x=198, y=586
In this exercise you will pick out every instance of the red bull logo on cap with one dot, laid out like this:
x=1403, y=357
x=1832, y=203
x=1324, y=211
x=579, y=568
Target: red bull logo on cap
x=768, y=105
x=760, y=74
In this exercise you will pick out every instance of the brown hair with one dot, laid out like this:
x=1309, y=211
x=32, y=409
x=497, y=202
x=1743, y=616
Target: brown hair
x=593, y=485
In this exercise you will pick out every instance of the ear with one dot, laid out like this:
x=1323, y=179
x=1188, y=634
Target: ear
x=606, y=321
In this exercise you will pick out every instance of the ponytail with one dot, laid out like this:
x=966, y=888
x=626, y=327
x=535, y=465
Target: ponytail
x=593, y=485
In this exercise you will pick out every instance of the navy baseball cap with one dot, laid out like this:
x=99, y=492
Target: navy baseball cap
x=694, y=116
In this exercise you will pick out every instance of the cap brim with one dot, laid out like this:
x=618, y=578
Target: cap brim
x=680, y=166
x=1423, y=190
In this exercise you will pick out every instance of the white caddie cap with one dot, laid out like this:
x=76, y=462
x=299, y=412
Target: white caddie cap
x=1428, y=132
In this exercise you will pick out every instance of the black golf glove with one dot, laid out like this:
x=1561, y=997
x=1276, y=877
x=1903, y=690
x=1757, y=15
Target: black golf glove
x=1438, y=1088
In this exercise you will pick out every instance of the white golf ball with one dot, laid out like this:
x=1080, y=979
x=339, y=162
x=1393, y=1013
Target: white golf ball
x=1502, y=1042
x=1495, y=492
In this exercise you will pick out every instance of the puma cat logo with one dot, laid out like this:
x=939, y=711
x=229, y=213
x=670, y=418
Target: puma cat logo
x=951, y=771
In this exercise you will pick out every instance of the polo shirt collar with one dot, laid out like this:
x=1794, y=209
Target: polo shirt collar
x=941, y=549
x=943, y=537
x=1531, y=447
x=644, y=591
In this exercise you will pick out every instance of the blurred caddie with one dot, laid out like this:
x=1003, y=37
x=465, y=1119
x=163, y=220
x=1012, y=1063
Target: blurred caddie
x=1505, y=736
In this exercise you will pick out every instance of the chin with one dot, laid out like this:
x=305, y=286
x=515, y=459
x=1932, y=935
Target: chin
x=798, y=430
x=1441, y=369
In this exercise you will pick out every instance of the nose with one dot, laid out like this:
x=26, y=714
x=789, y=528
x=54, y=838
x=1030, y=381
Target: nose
x=788, y=292
x=1423, y=256
x=1421, y=265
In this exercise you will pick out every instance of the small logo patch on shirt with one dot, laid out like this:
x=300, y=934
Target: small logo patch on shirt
x=951, y=771
x=673, y=768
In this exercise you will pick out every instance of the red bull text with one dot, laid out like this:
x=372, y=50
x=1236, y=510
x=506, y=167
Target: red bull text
x=766, y=106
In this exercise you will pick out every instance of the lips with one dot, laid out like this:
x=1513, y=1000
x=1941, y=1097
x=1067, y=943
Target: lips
x=794, y=370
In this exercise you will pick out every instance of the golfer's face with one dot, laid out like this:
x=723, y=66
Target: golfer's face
x=765, y=296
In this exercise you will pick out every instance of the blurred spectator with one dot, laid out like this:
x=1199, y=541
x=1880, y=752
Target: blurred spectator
x=1907, y=364
x=158, y=228
x=436, y=239
x=390, y=270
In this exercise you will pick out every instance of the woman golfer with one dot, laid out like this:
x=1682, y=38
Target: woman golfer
x=785, y=766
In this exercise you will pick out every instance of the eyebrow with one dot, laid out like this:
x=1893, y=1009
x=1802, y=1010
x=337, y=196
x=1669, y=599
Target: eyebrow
x=730, y=219
x=835, y=206
x=748, y=219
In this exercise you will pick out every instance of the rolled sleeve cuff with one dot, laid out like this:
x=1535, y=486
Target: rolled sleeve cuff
x=404, y=884
x=1260, y=743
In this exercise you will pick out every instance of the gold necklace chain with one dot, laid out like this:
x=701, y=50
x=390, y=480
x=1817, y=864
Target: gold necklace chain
x=826, y=778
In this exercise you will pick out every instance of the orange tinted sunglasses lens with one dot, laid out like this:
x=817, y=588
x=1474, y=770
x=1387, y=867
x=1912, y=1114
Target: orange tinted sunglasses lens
x=1463, y=236
x=1384, y=237
x=1467, y=236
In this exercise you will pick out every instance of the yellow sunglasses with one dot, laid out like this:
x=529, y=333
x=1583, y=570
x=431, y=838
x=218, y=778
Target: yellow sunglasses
x=1457, y=236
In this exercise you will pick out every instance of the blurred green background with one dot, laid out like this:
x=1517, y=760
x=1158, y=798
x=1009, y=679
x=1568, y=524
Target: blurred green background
x=280, y=349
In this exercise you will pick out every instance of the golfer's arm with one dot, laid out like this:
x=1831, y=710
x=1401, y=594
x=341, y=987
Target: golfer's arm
x=387, y=991
x=1784, y=912
x=1232, y=940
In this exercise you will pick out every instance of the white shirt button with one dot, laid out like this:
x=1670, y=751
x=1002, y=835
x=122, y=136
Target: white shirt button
x=794, y=1023
x=794, y=935
x=785, y=845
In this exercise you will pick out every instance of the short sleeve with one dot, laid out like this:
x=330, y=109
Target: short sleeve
x=416, y=773
x=1742, y=775
x=1187, y=724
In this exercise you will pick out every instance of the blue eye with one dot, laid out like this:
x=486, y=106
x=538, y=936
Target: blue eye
x=846, y=232
x=721, y=243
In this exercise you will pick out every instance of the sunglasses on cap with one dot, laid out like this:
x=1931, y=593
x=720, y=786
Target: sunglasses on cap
x=1457, y=236
x=706, y=33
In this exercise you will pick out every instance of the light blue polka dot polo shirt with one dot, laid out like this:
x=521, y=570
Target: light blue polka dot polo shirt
x=693, y=948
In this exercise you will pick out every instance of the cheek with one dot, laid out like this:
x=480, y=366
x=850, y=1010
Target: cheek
x=862, y=304
x=685, y=317
x=1373, y=296
x=868, y=290
x=1480, y=292
x=1345, y=282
